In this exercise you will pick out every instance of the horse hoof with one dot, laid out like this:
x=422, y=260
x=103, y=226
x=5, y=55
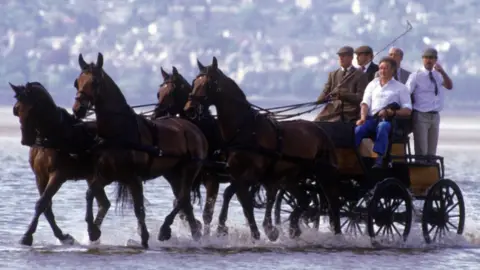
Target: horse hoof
x=222, y=231
x=165, y=234
x=27, y=240
x=273, y=234
x=199, y=224
x=67, y=239
x=94, y=233
x=196, y=235
x=256, y=235
x=206, y=230
x=295, y=233
x=145, y=244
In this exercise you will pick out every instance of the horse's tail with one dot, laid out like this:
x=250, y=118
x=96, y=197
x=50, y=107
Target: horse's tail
x=259, y=202
x=196, y=194
x=124, y=197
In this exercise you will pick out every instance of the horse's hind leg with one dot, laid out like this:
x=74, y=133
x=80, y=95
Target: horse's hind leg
x=228, y=193
x=271, y=232
x=103, y=206
x=211, y=186
x=47, y=187
x=189, y=173
x=136, y=190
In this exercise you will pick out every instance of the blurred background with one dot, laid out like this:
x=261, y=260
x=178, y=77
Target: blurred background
x=274, y=49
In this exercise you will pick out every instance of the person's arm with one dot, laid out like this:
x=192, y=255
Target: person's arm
x=326, y=89
x=366, y=102
x=405, y=103
x=359, y=89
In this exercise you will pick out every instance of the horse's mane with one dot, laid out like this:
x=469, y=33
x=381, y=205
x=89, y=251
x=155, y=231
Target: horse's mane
x=36, y=92
x=229, y=80
x=108, y=80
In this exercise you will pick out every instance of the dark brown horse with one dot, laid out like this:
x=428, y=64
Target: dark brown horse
x=172, y=96
x=136, y=149
x=58, y=145
x=259, y=148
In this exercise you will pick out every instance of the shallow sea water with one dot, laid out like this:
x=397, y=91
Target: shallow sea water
x=314, y=249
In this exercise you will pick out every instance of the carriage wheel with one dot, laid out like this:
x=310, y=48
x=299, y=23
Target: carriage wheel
x=285, y=203
x=443, y=211
x=390, y=211
x=352, y=217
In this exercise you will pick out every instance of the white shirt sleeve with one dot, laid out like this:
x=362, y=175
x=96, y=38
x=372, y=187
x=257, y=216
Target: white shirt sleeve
x=405, y=98
x=411, y=82
x=367, y=95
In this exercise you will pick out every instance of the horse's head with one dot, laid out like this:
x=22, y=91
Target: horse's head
x=34, y=108
x=212, y=87
x=172, y=93
x=87, y=85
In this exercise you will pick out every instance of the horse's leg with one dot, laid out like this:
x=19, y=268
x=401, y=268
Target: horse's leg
x=228, y=193
x=47, y=187
x=245, y=200
x=103, y=206
x=95, y=188
x=302, y=204
x=136, y=190
x=271, y=232
x=189, y=172
x=332, y=190
x=211, y=186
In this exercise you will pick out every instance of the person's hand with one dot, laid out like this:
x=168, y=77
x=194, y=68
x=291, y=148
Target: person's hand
x=383, y=114
x=438, y=67
x=360, y=121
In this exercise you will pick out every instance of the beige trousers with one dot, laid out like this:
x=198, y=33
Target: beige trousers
x=425, y=132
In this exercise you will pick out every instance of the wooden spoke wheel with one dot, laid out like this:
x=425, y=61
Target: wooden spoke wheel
x=390, y=212
x=285, y=203
x=443, y=211
x=353, y=216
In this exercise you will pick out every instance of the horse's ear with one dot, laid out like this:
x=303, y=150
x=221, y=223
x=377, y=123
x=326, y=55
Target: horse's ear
x=214, y=63
x=100, y=60
x=14, y=88
x=82, y=62
x=174, y=71
x=201, y=67
x=164, y=74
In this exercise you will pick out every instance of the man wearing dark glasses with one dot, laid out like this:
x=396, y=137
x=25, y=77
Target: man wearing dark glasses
x=427, y=86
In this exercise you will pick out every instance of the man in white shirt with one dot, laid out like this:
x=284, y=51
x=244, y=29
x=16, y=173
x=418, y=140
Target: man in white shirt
x=381, y=93
x=427, y=87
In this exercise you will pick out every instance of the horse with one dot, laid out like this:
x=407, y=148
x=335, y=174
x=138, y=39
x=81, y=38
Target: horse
x=58, y=152
x=172, y=96
x=281, y=153
x=135, y=149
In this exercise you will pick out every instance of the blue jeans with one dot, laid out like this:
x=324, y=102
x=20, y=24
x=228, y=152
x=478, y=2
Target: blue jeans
x=372, y=126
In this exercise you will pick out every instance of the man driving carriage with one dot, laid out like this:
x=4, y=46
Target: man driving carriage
x=377, y=108
x=343, y=90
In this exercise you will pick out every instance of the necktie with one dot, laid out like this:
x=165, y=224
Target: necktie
x=363, y=68
x=430, y=74
x=344, y=72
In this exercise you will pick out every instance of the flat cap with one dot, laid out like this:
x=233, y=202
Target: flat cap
x=430, y=52
x=345, y=50
x=364, y=49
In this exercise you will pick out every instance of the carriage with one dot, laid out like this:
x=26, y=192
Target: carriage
x=383, y=203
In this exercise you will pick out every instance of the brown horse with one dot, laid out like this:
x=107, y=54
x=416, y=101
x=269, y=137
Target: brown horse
x=135, y=149
x=280, y=153
x=172, y=97
x=58, y=145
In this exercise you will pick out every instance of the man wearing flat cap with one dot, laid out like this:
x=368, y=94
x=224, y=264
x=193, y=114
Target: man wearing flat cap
x=343, y=90
x=365, y=61
x=427, y=86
